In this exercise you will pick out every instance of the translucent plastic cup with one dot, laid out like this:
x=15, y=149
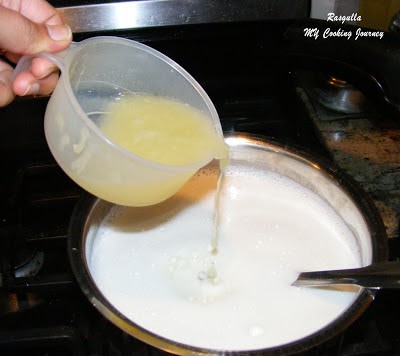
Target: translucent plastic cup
x=94, y=73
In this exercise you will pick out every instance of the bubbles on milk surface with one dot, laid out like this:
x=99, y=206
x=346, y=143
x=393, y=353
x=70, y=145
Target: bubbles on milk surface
x=268, y=227
x=196, y=279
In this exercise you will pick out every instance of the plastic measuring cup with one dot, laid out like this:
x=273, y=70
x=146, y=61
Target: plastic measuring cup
x=94, y=73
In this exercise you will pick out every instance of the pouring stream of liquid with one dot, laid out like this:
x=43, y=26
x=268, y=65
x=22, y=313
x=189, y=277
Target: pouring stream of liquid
x=211, y=273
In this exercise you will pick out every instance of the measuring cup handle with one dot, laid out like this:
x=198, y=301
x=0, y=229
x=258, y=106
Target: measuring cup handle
x=57, y=58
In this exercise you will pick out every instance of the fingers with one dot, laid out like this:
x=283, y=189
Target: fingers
x=39, y=11
x=30, y=27
x=39, y=81
x=42, y=68
x=27, y=84
x=6, y=92
x=20, y=35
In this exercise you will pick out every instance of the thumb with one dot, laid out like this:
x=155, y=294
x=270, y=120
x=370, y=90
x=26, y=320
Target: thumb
x=20, y=35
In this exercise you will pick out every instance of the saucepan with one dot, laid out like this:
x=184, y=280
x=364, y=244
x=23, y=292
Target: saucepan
x=341, y=193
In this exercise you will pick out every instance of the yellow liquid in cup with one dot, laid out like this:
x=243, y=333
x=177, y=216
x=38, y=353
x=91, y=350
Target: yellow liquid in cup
x=162, y=130
x=159, y=130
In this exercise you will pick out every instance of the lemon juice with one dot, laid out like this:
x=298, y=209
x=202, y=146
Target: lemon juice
x=166, y=134
x=162, y=130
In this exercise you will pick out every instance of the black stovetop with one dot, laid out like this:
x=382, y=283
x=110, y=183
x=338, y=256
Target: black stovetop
x=42, y=309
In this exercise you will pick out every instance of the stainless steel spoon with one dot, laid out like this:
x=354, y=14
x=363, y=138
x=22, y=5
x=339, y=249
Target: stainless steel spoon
x=376, y=276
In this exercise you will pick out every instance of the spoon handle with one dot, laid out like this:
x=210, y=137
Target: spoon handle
x=376, y=276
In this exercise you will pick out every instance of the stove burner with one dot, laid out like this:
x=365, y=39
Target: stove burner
x=42, y=309
x=32, y=267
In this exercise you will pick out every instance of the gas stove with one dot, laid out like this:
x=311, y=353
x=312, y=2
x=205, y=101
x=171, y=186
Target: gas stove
x=239, y=64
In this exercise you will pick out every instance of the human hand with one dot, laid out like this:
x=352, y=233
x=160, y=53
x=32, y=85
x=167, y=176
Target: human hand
x=29, y=27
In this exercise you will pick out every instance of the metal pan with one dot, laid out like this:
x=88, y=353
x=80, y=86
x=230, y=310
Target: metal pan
x=319, y=175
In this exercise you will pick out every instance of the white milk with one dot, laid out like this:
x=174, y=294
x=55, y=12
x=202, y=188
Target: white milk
x=150, y=262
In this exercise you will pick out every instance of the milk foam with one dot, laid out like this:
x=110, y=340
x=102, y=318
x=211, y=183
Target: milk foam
x=146, y=261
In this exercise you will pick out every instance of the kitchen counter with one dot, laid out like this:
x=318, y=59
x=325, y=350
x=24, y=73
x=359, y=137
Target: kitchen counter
x=367, y=147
